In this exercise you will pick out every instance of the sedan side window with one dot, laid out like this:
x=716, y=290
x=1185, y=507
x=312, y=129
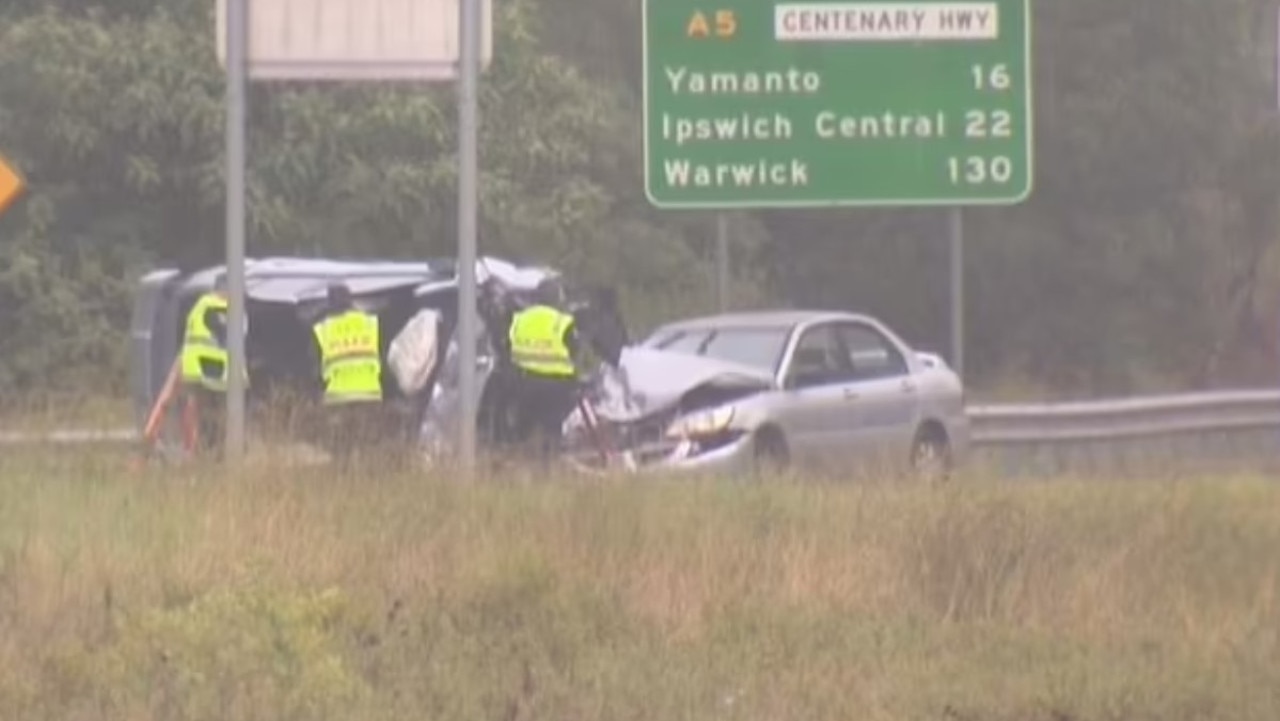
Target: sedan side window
x=870, y=353
x=818, y=359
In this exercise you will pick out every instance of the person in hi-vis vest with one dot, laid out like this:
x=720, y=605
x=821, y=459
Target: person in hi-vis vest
x=204, y=363
x=349, y=344
x=545, y=381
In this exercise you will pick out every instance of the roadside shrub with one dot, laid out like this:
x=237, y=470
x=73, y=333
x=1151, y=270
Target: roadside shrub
x=247, y=654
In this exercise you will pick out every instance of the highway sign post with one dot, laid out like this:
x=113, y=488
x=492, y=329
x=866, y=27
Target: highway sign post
x=829, y=103
x=356, y=40
x=11, y=185
x=235, y=26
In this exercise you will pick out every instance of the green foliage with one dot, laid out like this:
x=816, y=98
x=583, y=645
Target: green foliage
x=118, y=126
x=1146, y=257
x=111, y=130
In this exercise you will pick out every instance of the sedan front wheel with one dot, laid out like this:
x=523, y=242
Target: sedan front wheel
x=771, y=455
x=931, y=456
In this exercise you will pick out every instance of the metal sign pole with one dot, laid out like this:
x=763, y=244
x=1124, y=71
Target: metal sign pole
x=722, y=262
x=314, y=49
x=237, y=70
x=468, y=111
x=956, y=223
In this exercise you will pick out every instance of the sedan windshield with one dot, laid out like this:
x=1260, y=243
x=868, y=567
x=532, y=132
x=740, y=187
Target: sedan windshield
x=760, y=348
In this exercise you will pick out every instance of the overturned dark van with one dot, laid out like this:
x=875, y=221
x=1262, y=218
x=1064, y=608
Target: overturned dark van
x=285, y=295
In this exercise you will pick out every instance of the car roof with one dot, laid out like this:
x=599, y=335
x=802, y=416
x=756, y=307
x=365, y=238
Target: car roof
x=758, y=319
x=294, y=279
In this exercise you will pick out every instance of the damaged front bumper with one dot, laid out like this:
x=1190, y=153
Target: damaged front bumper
x=645, y=446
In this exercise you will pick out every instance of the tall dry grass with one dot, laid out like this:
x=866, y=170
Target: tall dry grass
x=302, y=593
x=43, y=412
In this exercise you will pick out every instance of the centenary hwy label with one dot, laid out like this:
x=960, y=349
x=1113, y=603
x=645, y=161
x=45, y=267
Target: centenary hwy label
x=759, y=104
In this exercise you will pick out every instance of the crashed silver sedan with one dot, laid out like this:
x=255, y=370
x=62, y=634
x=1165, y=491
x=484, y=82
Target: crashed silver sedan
x=827, y=390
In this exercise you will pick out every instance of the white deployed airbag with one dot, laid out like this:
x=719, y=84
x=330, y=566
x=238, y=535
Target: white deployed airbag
x=413, y=352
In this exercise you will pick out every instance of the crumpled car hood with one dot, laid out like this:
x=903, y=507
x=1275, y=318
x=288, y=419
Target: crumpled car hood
x=658, y=379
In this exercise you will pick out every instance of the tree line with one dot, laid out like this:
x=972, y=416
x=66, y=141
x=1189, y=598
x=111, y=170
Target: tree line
x=1146, y=257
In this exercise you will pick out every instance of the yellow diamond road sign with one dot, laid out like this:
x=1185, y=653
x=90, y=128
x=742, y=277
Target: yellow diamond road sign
x=10, y=184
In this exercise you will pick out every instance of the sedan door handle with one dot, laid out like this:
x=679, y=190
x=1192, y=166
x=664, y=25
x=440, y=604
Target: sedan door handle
x=908, y=386
x=850, y=394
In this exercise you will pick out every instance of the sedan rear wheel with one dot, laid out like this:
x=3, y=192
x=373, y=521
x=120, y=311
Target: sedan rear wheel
x=931, y=457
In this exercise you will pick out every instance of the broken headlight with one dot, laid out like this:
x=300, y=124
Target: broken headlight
x=701, y=424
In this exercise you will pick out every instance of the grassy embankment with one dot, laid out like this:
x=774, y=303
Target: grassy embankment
x=44, y=412
x=294, y=594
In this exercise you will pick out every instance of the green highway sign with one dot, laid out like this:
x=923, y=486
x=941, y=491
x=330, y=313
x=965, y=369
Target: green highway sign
x=752, y=103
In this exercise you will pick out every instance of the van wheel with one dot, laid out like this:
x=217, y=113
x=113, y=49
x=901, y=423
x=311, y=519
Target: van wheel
x=771, y=454
x=931, y=455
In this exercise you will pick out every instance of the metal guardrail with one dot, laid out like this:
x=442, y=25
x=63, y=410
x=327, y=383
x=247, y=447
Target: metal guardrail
x=1130, y=418
x=1107, y=422
x=68, y=437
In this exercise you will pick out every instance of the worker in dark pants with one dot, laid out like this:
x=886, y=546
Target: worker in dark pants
x=547, y=349
x=347, y=339
x=543, y=381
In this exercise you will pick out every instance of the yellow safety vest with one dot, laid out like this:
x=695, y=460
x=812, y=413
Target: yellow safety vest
x=350, y=361
x=537, y=341
x=200, y=345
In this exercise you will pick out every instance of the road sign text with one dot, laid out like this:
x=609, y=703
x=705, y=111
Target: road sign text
x=837, y=103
